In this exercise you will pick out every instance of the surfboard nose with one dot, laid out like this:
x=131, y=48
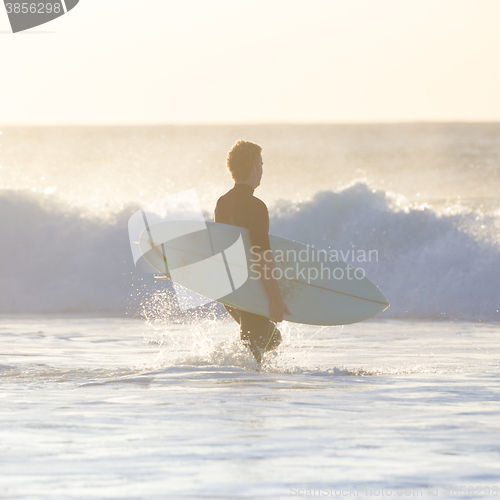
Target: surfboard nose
x=377, y=296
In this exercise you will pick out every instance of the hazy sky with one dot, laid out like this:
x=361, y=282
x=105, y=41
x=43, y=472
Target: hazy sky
x=162, y=61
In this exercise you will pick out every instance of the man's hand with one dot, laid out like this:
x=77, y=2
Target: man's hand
x=277, y=309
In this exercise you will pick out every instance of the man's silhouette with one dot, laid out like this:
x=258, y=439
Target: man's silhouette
x=240, y=207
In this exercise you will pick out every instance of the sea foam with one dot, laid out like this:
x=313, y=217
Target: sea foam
x=429, y=263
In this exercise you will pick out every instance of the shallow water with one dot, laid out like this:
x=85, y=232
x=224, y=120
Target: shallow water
x=119, y=408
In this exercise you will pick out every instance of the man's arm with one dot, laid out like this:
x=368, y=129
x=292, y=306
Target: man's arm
x=265, y=266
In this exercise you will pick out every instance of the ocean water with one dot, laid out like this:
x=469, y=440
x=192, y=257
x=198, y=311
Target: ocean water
x=110, y=391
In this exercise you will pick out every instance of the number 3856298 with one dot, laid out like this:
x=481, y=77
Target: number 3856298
x=33, y=8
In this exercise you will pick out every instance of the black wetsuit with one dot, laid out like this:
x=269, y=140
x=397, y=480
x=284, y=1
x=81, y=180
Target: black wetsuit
x=239, y=207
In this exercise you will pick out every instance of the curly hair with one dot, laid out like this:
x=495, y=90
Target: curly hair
x=240, y=159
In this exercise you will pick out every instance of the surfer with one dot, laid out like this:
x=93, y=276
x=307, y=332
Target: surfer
x=239, y=207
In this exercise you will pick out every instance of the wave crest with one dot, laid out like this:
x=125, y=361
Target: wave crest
x=429, y=263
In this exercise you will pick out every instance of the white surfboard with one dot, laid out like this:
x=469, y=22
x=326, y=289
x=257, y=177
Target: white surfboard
x=215, y=260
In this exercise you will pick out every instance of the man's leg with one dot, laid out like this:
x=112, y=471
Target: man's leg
x=256, y=331
x=260, y=334
x=235, y=313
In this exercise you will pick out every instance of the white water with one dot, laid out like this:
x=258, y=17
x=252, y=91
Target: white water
x=428, y=264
